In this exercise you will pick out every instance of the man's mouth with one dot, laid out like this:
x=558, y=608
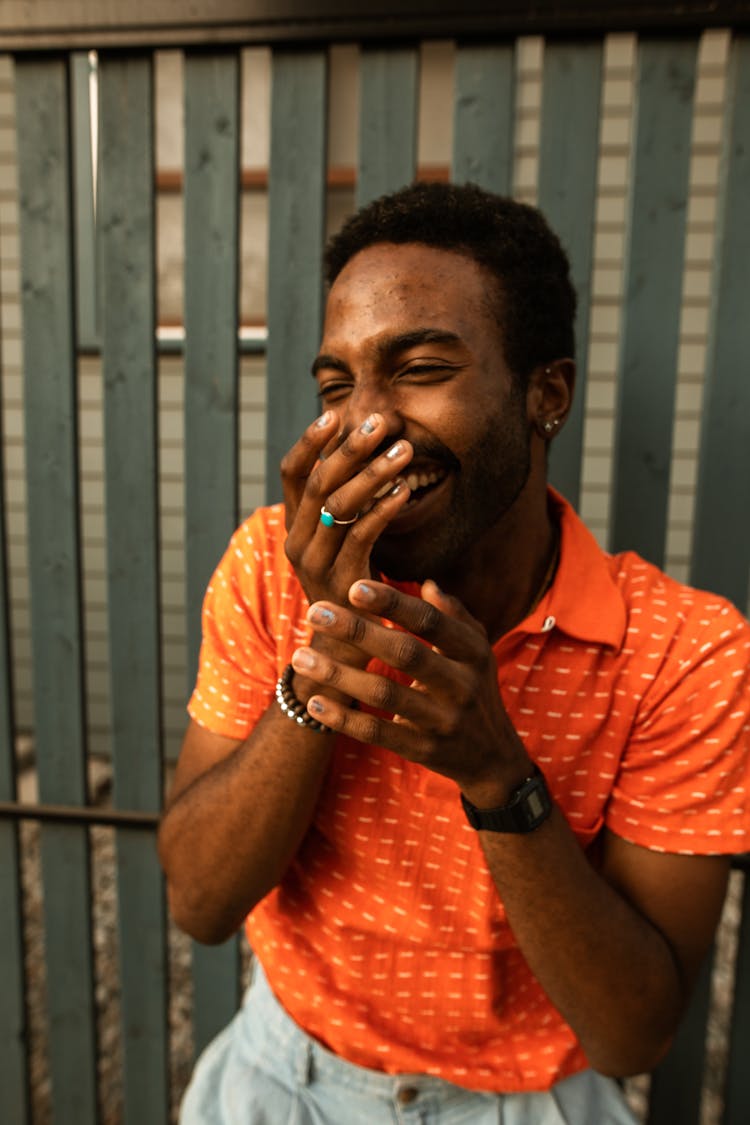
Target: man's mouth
x=427, y=501
x=421, y=482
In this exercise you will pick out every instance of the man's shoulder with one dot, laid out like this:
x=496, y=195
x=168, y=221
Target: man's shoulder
x=624, y=597
x=255, y=559
x=265, y=527
x=643, y=584
x=676, y=626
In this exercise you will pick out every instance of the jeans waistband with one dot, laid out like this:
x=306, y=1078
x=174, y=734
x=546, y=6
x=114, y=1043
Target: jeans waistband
x=266, y=1022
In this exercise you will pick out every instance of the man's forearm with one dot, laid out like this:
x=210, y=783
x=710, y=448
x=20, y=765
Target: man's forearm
x=228, y=836
x=607, y=969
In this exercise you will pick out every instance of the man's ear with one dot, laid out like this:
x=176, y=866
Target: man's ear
x=550, y=396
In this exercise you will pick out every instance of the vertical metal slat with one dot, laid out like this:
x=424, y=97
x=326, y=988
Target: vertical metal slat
x=211, y=321
x=296, y=226
x=677, y=1082
x=484, y=121
x=211, y=403
x=48, y=284
x=87, y=290
x=653, y=296
x=723, y=488
x=126, y=215
x=568, y=157
x=14, y=1071
x=387, y=120
x=737, y=1093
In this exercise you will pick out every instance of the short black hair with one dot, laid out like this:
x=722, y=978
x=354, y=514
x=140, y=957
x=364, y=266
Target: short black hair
x=535, y=304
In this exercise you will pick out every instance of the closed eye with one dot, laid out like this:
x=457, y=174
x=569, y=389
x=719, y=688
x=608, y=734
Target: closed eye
x=333, y=392
x=431, y=372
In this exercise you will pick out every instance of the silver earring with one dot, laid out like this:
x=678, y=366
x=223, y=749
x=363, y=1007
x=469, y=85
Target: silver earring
x=550, y=425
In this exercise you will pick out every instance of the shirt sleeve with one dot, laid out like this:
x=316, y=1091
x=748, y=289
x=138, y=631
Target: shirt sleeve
x=241, y=655
x=684, y=782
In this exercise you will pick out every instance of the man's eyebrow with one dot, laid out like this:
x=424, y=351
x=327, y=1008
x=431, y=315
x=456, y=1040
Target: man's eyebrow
x=329, y=361
x=414, y=338
x=392, y=346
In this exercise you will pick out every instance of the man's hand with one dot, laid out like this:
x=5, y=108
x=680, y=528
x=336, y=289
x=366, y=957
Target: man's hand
x=449, y=718
x=348, y=481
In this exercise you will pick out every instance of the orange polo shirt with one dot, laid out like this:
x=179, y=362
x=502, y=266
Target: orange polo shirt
x=386, y=940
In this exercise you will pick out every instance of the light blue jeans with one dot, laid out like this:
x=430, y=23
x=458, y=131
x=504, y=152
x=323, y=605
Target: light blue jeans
x=264, y=1070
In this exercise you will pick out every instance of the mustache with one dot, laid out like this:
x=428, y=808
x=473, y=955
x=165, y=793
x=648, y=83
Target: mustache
x=427, y=449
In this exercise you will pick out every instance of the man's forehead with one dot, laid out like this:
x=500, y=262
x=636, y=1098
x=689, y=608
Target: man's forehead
x=400, y=288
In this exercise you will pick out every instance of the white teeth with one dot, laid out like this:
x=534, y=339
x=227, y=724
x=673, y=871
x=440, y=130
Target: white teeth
x=421, y=480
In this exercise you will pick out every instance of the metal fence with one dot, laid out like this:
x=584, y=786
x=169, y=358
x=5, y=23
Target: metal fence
x=652, y=324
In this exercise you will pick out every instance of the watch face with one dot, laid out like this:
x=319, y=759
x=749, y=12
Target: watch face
x=528, y=808
x=534, y=804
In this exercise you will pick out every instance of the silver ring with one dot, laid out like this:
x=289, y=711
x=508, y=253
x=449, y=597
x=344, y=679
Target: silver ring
x=328, y=520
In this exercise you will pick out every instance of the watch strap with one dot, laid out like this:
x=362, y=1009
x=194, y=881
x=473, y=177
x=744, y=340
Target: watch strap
x=529, y=806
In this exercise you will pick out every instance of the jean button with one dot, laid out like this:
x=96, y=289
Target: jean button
x=407, y=1094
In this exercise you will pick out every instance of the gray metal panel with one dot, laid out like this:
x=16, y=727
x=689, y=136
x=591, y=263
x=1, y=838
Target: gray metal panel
x=484, y=116
x=387, y=120
x=677, y=1082
x=296, y=226
x=216, y=994
x=42, y=94
x=87, y=290
x=721, y=546
x=737, y=1094
x=211, y=322
x=568, y=158
x=14, y=1100
x=211, y=402
x=126, y=218
x=653, y=296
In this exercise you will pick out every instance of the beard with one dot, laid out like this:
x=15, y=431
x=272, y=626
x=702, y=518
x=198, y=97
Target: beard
x=485, y=484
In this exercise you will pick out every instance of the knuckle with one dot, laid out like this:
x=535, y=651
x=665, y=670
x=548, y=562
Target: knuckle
x=357, y=629
x=384, y=694
x=368, y=728
x=314, y=482
x=348, y=448
x=448, y=725
x=335, y=506
x=462, y=692
x=429, y=620
x=409, y=652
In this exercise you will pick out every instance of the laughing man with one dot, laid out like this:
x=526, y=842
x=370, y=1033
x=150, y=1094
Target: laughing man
x=470, y=783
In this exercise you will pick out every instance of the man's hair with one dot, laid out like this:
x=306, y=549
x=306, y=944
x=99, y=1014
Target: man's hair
x=535, y=301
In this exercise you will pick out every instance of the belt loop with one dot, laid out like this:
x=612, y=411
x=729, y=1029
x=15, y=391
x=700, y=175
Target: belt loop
x=303, y=1063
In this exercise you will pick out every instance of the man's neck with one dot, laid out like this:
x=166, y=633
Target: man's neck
x=508, y=570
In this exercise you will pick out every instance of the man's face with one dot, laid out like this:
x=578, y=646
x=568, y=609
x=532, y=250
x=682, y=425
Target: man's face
x=409, y=332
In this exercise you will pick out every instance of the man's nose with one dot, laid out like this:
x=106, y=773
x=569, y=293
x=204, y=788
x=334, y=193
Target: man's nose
x=374, y=400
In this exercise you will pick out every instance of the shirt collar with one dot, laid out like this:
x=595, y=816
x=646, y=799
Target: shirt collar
x=584, y=599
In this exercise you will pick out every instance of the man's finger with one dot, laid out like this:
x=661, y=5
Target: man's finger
x=436, y=617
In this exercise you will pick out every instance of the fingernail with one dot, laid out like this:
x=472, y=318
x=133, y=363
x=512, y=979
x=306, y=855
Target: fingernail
x=303, y=658
x=319, y=615
x=315, y=705
x=364, y=592
x=323, y=421
x=399, y=486
x=369, y=424
x=395, y=451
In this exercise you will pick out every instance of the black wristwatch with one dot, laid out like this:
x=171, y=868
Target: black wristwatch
x=529, y=806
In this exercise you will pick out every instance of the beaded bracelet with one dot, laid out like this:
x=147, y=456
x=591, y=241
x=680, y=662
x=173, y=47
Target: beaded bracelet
x=292, y=707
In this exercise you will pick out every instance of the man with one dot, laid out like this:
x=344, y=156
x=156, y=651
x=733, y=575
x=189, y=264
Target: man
x=482, y=864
